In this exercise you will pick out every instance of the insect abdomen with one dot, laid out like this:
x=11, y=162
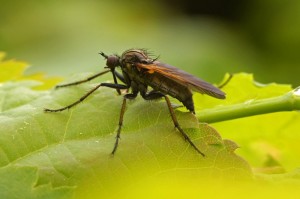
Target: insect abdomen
x=172, y=88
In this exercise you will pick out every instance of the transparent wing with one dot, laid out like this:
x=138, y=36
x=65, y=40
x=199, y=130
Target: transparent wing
x=184, y=78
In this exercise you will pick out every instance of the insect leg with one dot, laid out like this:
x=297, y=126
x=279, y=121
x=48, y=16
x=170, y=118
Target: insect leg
x=127, y=96
x=155, y=95
x=176, y=124
x=226, y=82
x=120, y=126
x=120, y=77
x=152, y=95
x=83, y=81
x=115, y=80
x=116, y=86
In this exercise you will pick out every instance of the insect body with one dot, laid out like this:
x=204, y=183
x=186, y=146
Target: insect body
x=140, y=71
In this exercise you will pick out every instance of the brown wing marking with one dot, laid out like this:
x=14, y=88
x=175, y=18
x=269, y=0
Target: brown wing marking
x=183, y=78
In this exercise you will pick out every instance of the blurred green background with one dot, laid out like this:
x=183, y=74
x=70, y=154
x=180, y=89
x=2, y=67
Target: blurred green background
x=205, y=37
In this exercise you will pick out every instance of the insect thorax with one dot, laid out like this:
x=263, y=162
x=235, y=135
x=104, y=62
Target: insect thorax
x=136, y=56
x=158, y=82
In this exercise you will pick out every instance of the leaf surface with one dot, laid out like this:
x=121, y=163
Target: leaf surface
x=65, y=149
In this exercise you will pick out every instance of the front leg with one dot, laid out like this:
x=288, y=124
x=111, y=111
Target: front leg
x=116, y=86
x=120, y=76
x=82, y=81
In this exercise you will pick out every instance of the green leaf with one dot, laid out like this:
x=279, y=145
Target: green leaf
x=262, y=137
x=12, y=70
x=65, y=154
x=69, y=148
x=62, y=145
x=19, y=182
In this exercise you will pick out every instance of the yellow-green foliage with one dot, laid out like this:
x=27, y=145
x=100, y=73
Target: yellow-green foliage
x=67, y=154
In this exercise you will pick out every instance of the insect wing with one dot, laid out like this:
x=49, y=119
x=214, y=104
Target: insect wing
x=183, y=78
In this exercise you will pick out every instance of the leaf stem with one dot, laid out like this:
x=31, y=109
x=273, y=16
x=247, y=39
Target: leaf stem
x=287, y=102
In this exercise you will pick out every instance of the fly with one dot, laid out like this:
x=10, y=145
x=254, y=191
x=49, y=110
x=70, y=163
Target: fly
x=139, y=72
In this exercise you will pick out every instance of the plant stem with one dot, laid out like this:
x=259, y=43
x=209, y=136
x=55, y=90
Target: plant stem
x=287, y=102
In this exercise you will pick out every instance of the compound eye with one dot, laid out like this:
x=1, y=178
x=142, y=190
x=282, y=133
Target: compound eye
x=112, y=61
